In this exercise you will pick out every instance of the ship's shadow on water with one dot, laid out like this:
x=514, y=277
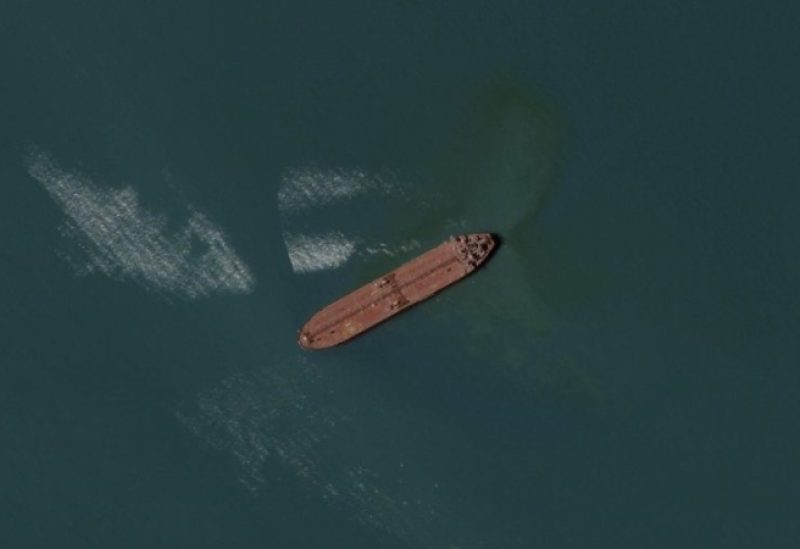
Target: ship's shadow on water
x=498, y=243
x=500, y=163
x=496, y=174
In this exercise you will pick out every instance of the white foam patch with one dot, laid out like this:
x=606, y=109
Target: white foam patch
x=305, y=192
x=309, y=253
x=283, y=421
x=120, y=239
x=382, y=248
x=303, y=188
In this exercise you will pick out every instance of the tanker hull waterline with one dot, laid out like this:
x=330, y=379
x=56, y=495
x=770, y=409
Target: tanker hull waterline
x=396, y=291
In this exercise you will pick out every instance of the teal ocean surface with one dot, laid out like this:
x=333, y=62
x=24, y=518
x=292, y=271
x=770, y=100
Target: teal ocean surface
x=183, y=185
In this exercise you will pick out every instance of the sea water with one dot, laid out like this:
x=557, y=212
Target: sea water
x=184, y=185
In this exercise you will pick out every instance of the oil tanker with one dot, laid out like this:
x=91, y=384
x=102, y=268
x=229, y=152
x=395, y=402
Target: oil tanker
x=396, y=291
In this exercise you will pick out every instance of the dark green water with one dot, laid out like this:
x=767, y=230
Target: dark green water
x=182, y=185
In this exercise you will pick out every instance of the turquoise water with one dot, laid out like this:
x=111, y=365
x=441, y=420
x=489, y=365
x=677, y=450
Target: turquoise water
x=183, y=185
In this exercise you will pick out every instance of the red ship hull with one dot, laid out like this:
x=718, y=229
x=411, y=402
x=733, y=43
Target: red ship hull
x=396, y=291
